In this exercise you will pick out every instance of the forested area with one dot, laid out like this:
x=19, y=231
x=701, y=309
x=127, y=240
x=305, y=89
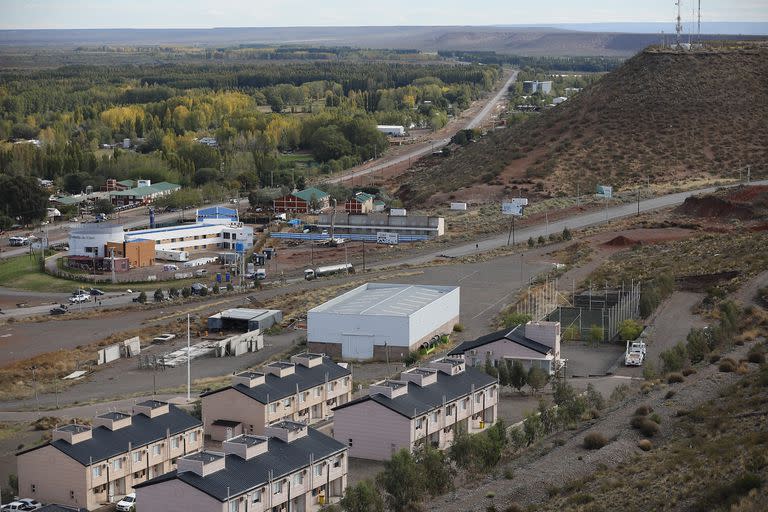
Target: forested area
x=270, y=121
x=585, y=64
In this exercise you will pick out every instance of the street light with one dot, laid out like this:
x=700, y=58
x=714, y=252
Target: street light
x=33, y=368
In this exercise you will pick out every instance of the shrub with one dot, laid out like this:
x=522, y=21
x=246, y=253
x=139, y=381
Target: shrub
x=725, y=495
x=648, y=428
x=674, y=359
x=655, y=417
x=142, y=298
x=645, y=444
x=669, y=394
x=643, y=410
x=216, y=288
x=630, y=329
x=674, y=378
x=714, y=358
x=688, y=371
x=509, y=473
x=186, y=292
x=756, y=357
x=458, y=328
x=727, y=365
x=594, y=441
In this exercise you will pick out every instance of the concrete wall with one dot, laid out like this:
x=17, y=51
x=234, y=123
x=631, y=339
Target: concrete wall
x=55, y=477
x=326, y=327
x=376, y=432
x=232, y=405
x=79, y=241
x=176, y=496
x=373, y=222
x=434, y=315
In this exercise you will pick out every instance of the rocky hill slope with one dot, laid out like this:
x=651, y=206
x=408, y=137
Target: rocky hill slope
x=663, y=116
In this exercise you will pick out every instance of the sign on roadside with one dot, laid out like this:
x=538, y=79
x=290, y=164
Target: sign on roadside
x=604, y=191
x=384, y=237
x=514, y=206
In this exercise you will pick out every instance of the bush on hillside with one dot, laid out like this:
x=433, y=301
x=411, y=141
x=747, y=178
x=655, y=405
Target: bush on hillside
x=594, y=441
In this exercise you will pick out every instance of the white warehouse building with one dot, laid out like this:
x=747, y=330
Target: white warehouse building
x=382, y=321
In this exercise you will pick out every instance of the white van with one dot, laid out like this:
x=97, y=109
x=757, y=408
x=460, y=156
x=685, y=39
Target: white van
x=201, y=272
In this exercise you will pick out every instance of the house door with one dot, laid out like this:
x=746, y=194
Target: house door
x=356, y=346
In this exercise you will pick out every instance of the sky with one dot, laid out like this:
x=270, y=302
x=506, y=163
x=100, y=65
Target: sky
x=39, y=14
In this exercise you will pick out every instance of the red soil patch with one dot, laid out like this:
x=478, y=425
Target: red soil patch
x=714, y=207
x=621, y=241
x=748, y=194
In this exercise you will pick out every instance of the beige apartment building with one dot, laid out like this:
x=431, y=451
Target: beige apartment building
x=304, y=389
x=428, y=404
x=291, y=468
x=88, y=466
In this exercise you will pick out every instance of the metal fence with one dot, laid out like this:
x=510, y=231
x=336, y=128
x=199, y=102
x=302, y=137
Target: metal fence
x=355, y=237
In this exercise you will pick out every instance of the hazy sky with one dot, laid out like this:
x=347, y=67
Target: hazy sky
x=265, y=13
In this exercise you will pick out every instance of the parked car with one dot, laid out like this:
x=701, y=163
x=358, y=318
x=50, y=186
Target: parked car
x=127, y=503
x=31, y=504
x=79, y=299
x=96, y=291
x=197, y=287
x=80, y=292
x=14, y=505
x=201, y=272
x=163, y=338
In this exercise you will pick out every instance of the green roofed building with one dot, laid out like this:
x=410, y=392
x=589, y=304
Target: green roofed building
x=145, y=194
x=302, y=201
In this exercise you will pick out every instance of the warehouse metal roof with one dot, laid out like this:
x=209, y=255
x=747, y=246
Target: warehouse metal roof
x=384, y=299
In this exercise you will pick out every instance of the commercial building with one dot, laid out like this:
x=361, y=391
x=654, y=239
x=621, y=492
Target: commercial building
x=244, y=319
x=302, y=201
x=208, y=234
x=139, y=253
x=532, y=86
x=535, y=344
x=144, y=193
x=428, y=404
x=292, y=467
x=360, y=203
x=392, y=130
x=88, y=466
x=91, y=239
x=382, y=321
x=372, y=223
x=304, y=389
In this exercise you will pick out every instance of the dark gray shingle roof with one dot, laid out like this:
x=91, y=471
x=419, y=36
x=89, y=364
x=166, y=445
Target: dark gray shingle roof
x=514, y=335
x=240, y=475
x=143, y=430
x=419, y=400
x=277, y=388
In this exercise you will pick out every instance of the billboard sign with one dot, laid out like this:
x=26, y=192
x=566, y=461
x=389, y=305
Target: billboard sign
x=383, y=237
x=604, y=191
x=514, y=206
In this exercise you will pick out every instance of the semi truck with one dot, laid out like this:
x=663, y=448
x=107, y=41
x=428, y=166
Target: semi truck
x=310, y=274
x=635, y=353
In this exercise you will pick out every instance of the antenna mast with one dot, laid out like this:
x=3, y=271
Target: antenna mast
x=679, y=25
x=699, y=29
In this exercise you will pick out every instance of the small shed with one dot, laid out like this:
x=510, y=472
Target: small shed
x=244, y=319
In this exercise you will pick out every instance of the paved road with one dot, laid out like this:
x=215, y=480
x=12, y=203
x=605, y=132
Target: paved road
x=420, y=150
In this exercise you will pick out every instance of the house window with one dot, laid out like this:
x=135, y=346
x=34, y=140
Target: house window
x=419, y=423
x=331, y=386
x=493, y=392
x=33, y=488
x=193, y=437
x=226, y=236
x=302, y=398
x=136, y=456
x=117, y=464
x=234, y=506
x=277, y=487
x=319, y=391
x=349, y=443
x=478, y=398
x=156, y=449
x=96, y=471
x=346, y=381
x=319, y=470
x=71, y=495
x=337, y=461
x=435, y=415
x=287, y=402
x=175, y=442
x=464, y=404
x=298, y=479
x=256, y=497
x=273, y=407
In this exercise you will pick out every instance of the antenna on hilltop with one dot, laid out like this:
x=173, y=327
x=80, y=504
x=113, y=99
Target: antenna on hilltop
x=679, y=25
x=699, y=28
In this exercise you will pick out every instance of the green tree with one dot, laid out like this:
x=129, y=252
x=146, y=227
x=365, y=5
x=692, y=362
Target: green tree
x=518, y=378
x=503, y=371
x=567, y=234
x=186, y=292
x=403, y=481
x=489, y=368
x=329, y=143
x=104, y=206
x=362, y=497
x=434, y=463
x=142, y=298
x=173, y=292
x=596, y=334
x=531, y=243
x=158, y=295
x=216, y=288
x=22, y=198
x=697, y=345
x=532, y=427
x=537, y=378
x=673, y=359
x=513, y=319
x=571, y=333
x=630, y=329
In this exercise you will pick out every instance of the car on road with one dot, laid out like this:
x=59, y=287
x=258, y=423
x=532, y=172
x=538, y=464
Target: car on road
x=163, y=338
x=96, y=291
x=201, y=272
x=31, y=504
x=79, y=299
x=61, y=309
x=127, y=503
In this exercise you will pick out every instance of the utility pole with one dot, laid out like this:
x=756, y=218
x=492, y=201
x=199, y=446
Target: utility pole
x=33, y=368
x=363, y=254
x=638, y=201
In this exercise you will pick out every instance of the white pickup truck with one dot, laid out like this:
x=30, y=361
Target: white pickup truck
x=635, y=353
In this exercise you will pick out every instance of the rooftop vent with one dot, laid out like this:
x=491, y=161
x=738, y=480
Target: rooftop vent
x=151, y=408
x=389, y=388
x=246, y=446
x=72, y=433
x=308, y=359
x=248, y=379
x=420, y=376
x=201, y=463
x=452, y=365
x=112, y=420
x=286, y=431
x=280, y=368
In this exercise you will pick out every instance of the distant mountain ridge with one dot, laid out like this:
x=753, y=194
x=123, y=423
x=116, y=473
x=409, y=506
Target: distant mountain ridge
x=518, y=40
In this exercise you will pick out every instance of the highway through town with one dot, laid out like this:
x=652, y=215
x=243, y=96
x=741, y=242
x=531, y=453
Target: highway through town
x=426, y=148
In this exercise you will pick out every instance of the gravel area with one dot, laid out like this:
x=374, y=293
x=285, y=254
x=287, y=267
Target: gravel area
x=546, y=464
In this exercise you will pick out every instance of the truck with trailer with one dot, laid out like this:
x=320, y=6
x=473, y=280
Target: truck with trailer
x=170, y=255
x=635, y=353
x=310, y=274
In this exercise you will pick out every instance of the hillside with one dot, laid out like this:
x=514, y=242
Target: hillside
x=663, y=115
